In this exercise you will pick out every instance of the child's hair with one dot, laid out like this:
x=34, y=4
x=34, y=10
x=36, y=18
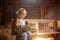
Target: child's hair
x=21, y=10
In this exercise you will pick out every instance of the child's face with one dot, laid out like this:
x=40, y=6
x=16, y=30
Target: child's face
x=21, y=15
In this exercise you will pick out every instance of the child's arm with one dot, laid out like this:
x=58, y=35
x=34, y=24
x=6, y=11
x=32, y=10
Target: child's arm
x=20, y=26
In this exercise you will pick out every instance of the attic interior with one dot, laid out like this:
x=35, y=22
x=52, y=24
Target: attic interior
x=42, y=15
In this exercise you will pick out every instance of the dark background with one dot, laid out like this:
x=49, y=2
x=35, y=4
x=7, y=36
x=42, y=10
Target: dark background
x=36, y=9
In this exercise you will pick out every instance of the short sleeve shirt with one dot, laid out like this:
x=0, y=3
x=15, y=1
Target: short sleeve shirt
x=21, y=22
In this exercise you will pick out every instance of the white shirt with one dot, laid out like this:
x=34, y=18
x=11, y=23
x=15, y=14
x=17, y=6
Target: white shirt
x=21, y=22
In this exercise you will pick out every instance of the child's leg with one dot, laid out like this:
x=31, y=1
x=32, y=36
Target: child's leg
x=29, y=35
x=24, y=36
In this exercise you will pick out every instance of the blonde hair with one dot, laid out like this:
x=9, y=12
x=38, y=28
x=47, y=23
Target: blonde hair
x=21, y=10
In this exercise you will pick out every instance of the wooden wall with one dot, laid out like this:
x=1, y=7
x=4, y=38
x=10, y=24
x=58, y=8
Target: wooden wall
x=36, y=9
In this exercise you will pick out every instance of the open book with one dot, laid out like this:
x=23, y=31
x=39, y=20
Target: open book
x=30, y=26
